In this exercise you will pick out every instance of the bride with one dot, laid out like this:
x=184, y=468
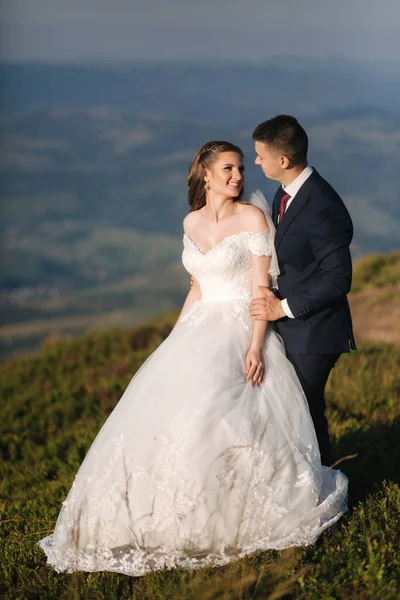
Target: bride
x=211, y=452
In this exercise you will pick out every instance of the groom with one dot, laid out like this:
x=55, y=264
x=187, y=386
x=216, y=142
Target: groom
x=313, y=234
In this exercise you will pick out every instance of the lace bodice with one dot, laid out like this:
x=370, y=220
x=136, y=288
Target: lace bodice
x=224, y=272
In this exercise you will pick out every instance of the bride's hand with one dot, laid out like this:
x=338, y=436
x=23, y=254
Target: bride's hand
x=255, y=368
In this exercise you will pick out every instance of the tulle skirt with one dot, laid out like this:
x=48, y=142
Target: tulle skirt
x=195, y=467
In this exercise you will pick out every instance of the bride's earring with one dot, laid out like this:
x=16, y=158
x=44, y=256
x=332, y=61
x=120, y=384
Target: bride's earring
x=207, y=186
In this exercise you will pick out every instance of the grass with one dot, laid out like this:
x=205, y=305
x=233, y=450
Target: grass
x=376, y=271
x=54, y=404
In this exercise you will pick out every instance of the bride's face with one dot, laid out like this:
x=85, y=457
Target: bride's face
x=226, y=175
x=272, y=164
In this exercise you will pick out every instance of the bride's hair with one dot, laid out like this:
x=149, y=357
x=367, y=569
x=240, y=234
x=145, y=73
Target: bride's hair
x=204, y=158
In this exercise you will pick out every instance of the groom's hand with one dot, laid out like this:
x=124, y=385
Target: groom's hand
x=267, y=308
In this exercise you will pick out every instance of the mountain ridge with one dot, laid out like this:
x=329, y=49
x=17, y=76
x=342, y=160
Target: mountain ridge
x=93, y=177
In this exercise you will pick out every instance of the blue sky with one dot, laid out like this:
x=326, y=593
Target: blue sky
x=227, y=29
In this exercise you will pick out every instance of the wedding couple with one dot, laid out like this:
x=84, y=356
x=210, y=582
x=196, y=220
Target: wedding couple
x=219, y=446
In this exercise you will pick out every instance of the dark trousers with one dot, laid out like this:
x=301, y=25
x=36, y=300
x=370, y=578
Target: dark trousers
x=313, y=372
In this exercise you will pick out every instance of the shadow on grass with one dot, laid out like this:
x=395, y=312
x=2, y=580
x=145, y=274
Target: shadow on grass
x=378, y=458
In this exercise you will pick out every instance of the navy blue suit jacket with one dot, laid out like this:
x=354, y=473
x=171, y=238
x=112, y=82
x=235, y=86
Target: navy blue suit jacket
x=312, y=243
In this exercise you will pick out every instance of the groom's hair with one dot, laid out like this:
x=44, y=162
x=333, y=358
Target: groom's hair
x=285, y=135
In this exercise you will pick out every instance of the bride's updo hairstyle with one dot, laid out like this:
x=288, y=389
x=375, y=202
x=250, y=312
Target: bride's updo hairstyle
x=204, y=159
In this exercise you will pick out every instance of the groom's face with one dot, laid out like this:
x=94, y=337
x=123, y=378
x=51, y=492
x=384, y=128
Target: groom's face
x=271, y=163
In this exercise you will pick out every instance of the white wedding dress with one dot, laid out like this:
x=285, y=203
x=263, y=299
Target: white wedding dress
x=195, y=467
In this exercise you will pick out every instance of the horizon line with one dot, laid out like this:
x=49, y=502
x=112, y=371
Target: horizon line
x=338, y=58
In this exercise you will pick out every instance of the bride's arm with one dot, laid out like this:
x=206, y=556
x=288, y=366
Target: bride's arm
x=195, y=291
x=260, y=262
x=255, y=367
x=193, y=296
x=261, y=277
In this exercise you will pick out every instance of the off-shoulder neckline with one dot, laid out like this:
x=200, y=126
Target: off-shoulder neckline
x=227, y=237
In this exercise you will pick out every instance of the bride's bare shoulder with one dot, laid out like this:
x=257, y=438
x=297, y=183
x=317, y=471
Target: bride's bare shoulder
x=252, y=217
x=191, y=221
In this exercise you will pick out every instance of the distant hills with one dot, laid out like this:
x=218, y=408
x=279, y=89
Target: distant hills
x=95, y=158
x=204, y=90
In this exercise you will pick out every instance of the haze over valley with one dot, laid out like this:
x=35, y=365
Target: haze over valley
x=94, y=165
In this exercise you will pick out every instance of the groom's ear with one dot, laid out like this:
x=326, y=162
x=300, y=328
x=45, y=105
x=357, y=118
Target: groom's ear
x=285, y=162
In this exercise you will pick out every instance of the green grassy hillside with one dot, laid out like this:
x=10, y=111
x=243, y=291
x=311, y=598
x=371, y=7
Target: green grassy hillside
x=54, y=404
x=375, y=298
x=376, y=271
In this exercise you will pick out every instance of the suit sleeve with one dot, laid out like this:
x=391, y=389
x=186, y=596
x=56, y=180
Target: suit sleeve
x=330, y=235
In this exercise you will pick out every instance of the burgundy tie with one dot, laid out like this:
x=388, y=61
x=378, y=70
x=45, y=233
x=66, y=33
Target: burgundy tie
x=282, y=205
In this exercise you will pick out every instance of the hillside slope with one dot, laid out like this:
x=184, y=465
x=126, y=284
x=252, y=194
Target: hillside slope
x=53, y=406
x=375, y=298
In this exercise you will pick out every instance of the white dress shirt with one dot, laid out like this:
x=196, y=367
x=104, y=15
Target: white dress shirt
x=292, y=189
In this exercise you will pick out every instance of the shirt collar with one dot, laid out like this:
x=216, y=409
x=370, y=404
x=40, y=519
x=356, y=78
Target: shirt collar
x=294, y=187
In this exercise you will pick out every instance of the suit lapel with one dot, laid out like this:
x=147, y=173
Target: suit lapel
x=299, y=201
x=275, y=207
